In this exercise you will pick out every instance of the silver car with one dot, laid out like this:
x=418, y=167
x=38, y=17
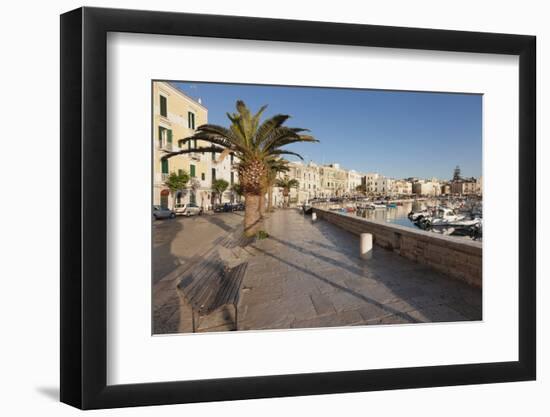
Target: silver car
x=163, y=213
x=189, y=209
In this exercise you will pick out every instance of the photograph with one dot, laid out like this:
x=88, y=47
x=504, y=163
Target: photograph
x=297, y=207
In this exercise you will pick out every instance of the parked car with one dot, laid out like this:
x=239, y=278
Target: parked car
x=238, y=206
x=228, y=207
x=223, y=208
x=188, y=209
x=163, y=213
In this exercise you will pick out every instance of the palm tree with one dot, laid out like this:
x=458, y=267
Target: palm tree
x=286, y=184
x=237, y=190
x=176, y=182
x=276, y=166
x=254, y=144
x=219, y=187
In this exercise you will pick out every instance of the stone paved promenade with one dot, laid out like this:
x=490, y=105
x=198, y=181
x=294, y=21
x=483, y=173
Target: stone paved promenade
x=310, y=275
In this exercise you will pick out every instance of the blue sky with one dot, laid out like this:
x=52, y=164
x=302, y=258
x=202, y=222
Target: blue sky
x=395, y=133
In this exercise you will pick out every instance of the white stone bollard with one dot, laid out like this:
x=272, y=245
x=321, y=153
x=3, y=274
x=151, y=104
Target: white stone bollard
x=366, y=245
x=313, y=216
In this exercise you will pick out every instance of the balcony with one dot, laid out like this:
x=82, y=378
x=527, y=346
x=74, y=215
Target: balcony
x=160, y=178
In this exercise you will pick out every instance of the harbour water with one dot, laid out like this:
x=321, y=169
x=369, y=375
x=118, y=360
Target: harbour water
x=398, y=213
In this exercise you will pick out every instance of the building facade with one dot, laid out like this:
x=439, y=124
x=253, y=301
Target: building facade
x=354, y=180
x=370, y=182
x=309, y=179
x=426, y=188
x=176, y=117
x=402, y=187
x=333, y=180
x=464, y=187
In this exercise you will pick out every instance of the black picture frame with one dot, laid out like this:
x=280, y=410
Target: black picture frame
x=84, y=207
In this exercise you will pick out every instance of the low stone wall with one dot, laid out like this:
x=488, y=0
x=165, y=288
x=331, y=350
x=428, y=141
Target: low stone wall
x=460, y=259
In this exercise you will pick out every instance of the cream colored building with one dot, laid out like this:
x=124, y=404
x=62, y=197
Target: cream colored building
x=463, y=187
x=426, y=188
x=175, y=117
x=370, y=182
x=354, y=180
x=384, y=186
x=402, y=187
x=333, y=180
x=309, y=179
x=479, y=185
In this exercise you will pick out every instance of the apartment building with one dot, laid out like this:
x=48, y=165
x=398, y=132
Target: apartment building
x=175, y=118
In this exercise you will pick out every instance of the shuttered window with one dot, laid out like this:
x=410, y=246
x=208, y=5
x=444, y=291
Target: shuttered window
x=163, y=106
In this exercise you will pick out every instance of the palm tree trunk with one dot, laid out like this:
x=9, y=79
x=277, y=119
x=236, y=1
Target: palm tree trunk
x=252, y=216
x=270, y=199
x=262, y=204
x=286, y=199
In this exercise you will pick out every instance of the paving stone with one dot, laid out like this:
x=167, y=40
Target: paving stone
x=310, y=275
x=348, y=318
x=321, y=304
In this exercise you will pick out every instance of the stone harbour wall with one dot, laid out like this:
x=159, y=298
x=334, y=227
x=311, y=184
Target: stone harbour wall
x=457, y=258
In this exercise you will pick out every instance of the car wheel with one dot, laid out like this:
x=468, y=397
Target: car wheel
x=172, y=215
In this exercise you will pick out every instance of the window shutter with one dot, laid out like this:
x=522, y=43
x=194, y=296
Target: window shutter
x=192, y=169
x=163, y=106
x=169, y=137
x=160, y=136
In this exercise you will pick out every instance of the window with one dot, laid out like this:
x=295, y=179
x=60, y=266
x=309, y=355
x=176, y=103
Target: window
x=161, y=136
x=189, y=145
x=180, y=171
x=192, y=170
x=164, y=166
x=213, y=174
x=213, y=156
x=163, y=106
x=203, y=176
x=191, y=120
x=232, y=157
x=165, y=137
x=232, y=177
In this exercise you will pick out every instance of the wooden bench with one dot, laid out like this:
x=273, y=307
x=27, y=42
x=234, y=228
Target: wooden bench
x=211, y=285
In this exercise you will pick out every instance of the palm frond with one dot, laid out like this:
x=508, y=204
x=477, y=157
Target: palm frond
x=256, y=118
x=216, y=149
x=285, y=152
x=207, y=137
x=267, y=127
